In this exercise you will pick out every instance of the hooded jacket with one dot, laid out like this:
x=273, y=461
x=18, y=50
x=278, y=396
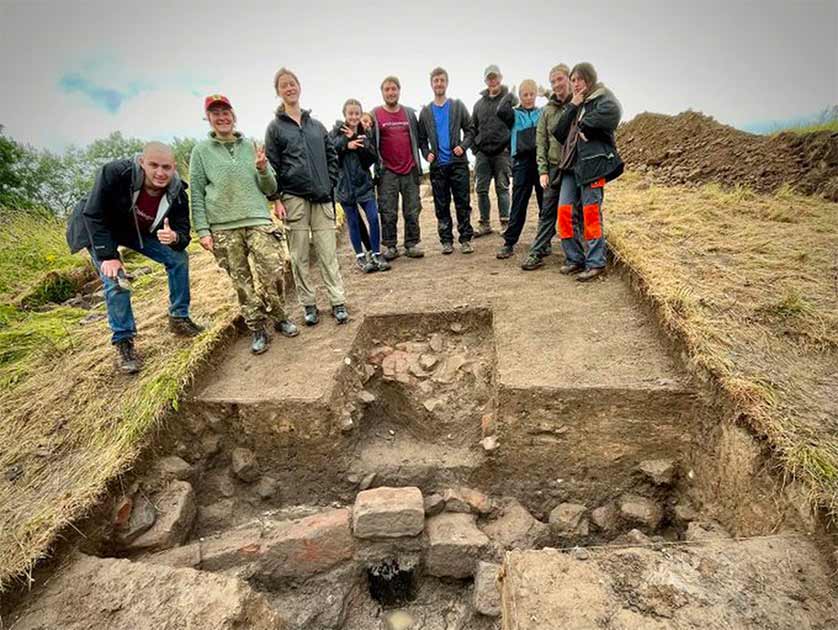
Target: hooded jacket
x=413, y=124
x=302, y=156
x=459, y=120
x=355, y=184
x=106, y=218
x=548, y=148
x=597, y=118
x=522, y=125
x=491, y=135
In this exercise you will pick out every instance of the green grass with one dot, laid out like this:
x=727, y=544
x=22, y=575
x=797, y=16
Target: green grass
x=832, y=125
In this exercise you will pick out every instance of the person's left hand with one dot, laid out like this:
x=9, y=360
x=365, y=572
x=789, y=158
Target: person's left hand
x=261, y=158
x=358, y=143
x=166, y=235
x=458, y=150
x=583, y=137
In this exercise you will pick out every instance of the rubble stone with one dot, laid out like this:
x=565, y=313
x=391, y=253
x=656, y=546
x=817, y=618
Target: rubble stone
x=568, y=519
x=605, y=518
x=176, y=514
x=486, y=591
x=216, y=515
x=267, y=488
x=140, y=518
x=211, y=444
x=516, y=528
x=640, y=511
x=434, y=504
x=661, y=472
x=388, y=513
x=462, y=499
x=454, y=545
x=173, y=467
x=244, y=465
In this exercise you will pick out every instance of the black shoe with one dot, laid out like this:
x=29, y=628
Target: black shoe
x=184, y=327
x=260, y=341
x=382, y=264
x=447, y=248
x=483, y=230
x=569, y=269
x=128, y=362
x=590, y=274
x=414, y=251
x=340, y=313
x=391, y=253
x=504, y=252
x=286, y=328
x=532, y=261
x=311, y=316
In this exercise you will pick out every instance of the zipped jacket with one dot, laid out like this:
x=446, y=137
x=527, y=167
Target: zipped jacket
x=522, y=125
x=106, y=217
x=548, y=150
x=355, y=184
x=597, y=119
x=491, y=135
x=459, y=129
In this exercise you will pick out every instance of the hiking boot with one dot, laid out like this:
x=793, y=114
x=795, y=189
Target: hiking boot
x=466, y=247
x=184, y=327
x=447, y=248
x=260, y=341
x=546, y=251
x=504, y=252
x=569, y=269
x=311, y=316
x=532, y=261
x=287, y=328
x=382, y=264
x=340, y=313
x=590, y=274
x=128, y=362
x=414, y=251
x=391, y=253
x=482, y=230
x=365, y=264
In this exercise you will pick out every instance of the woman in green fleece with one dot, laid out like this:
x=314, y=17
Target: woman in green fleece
x=230, y=178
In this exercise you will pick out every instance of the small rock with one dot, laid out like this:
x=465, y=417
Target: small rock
x=139, y=519
x=488, y=424
x=399, y=620
x=367, y=481
x=376, y=355
x=580, y=553
x=244, y=465
x=660, y=471
x=226, y=486
x=369, y=372
x=486, y=591
x=347, y=424
x=567, y=519
x=605, y=518
x=266, y=488
x=365, y=397
x=640, y=511
x=432, y=404
x=177, y=510
x=217, y=515
x=457, y=327
x=388, y=513
x=516, y=528
x=449, y=369
x=428, y=361
x=466, y=500
x=685, y=513
x=489, y=443
x=13, y=473
x=434, y=504
x=706, y=531
x=426, y=388
x=633, y=537
x=174, y=467
x=211, y=444
x=395, y=366
x=436, y=343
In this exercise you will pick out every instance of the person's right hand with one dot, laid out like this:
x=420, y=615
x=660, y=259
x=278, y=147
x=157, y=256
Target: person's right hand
x=345, y=130
x=544, y=179
x=577, y=99
x=111, y=268
x=279, y=210
x=431, y=158
x=206, y=243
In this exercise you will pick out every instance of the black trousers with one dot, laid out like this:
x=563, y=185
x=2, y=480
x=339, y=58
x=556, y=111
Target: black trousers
x=547, y=217
x=452, y=180
x=524, y=179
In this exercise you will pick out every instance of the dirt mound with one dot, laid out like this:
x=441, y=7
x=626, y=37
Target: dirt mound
x=692, y=148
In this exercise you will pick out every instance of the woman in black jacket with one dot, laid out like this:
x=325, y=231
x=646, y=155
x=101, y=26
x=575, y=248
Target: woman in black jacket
x=589, y=160
x=356, y=152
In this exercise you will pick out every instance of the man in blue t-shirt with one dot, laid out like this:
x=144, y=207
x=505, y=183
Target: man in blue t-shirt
x=444, y=135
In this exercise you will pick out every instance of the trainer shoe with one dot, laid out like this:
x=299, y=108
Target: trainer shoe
x=447, y=248
x=414, y=251
x=128, y=362
x=311, y=316
x=287, y=328
x=340, y=313
x=382, y=264
x=482, y=230
x=531, y=262
x=466, y=247
x=391, y=253
x=260, y=341
x=590, y=274
x=504, y=252
x=569, y=269
x=184, y=327
x=364, y=264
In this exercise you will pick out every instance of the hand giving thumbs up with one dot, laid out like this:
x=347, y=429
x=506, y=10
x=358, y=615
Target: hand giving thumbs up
x=166, y=234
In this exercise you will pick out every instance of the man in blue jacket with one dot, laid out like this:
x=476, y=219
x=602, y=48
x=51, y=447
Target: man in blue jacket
x=444, y=136
x=139, y=203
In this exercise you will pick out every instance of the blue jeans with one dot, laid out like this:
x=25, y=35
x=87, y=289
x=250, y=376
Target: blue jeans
x=118, y=301
x=353, y=222
x=580, y=222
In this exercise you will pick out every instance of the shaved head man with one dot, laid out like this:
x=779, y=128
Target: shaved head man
x=139, y=203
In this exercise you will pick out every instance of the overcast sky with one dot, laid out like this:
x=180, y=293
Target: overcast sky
x=73, y=71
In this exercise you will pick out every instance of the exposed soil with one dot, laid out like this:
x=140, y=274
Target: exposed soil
x=692, y=148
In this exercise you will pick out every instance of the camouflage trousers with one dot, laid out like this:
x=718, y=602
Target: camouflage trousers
x=254, y=258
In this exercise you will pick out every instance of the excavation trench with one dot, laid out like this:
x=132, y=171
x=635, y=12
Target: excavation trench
x=292, y=495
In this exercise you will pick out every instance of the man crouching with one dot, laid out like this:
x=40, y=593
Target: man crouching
x=140, y=203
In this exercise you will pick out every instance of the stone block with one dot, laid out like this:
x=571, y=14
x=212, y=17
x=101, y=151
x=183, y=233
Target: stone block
x=660, y=472
x=244, y=465
x=568, y=520
x=640, y=511
x=176, y=514
x=516, y=528
x=455, y=543
x=486, y=591
x=388, y=513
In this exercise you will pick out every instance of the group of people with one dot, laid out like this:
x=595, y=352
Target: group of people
x=368, y=163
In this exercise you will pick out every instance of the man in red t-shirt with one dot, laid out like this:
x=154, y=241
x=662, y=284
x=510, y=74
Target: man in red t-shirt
x=398, y=171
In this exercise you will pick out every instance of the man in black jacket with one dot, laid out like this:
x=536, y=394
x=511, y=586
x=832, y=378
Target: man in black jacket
x=491, y=150
x=139, y=203
x=444, y=136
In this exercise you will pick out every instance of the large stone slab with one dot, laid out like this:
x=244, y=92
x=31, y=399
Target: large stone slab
x=388, y=513
x=107, y=593
x=766, y=583
x=454, y=545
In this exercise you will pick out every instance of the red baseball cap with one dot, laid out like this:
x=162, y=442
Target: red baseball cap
x=216, y=99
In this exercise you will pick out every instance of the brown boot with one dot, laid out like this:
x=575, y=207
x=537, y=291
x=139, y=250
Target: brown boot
x=590, y=274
